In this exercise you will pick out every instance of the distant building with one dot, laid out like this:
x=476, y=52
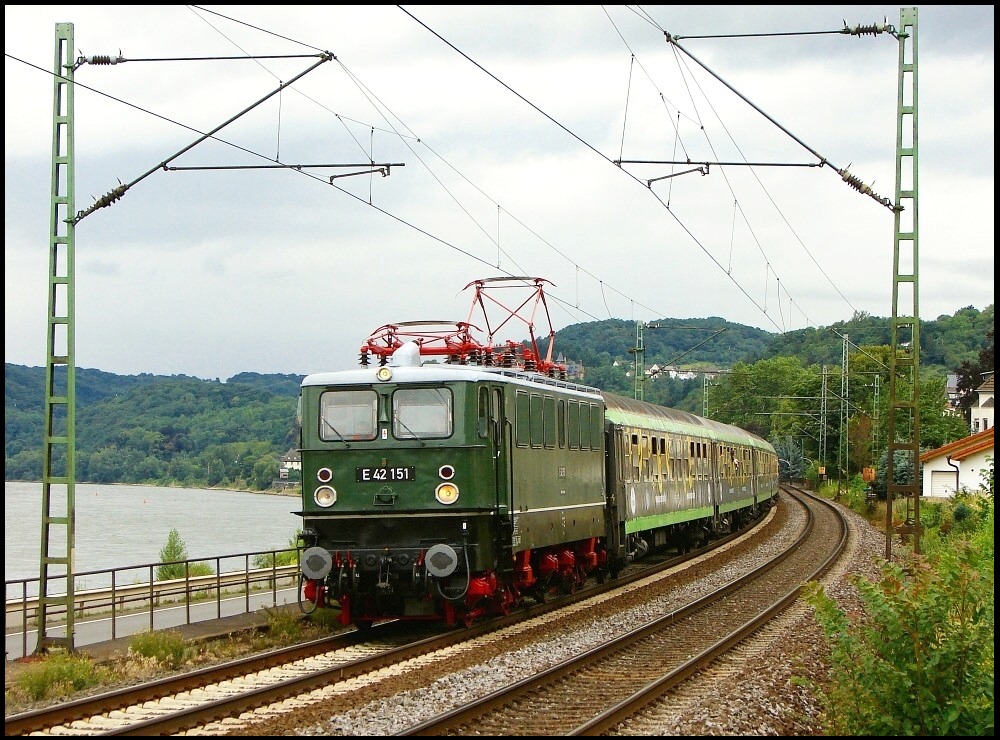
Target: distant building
x=982, y=409
x=291, y=460
x=676, y=372
x=574, y=369
x=956, y=466
x=951, y=388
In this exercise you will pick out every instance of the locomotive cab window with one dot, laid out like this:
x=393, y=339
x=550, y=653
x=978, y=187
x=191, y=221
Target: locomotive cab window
x=347, y=415
x=422, y=413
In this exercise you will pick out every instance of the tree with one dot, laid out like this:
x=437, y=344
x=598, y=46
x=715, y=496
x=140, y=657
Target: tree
x=970, y=377
x=172, y=556
x=902, y=472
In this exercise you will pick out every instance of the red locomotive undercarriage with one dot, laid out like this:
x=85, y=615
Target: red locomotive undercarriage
x=535, y=573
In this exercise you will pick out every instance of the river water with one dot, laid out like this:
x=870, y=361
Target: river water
x=120, y=526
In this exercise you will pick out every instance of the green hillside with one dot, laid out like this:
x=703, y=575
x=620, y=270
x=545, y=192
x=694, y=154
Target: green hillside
x=181, y=430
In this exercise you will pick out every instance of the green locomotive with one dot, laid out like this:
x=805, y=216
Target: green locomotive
x=453, y=490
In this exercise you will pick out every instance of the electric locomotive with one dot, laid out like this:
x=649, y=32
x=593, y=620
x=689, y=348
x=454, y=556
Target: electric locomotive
x=446, y=492
x=452, y=490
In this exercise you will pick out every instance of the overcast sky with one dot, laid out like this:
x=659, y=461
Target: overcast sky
x=502, y=128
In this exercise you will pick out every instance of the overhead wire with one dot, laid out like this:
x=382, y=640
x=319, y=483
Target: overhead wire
x=405, y=137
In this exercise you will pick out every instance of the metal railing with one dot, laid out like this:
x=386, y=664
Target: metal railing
x=137, y=589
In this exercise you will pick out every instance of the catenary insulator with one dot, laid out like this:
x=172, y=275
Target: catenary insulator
x=872, y=29
x=103, y=59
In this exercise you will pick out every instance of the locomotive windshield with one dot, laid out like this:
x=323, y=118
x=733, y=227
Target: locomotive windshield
x=422, y=413
x=348, y=415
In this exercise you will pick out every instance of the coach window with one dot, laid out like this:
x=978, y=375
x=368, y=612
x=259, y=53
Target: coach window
x=422, y=413
x=347, y=415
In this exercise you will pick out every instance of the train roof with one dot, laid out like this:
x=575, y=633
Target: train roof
x=434, y=372
x=631, y=412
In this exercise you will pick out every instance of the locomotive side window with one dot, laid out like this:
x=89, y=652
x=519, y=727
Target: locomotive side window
x=482, y=423
x=521, y=419
x=574, y=425
x=549, y=422
x=562, y=423
x=596, y=426
x=584, y=426
x=347, y=415
x=422, y=413
x=535, y=410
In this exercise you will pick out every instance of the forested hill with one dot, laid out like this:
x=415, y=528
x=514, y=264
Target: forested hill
x=945, y=342
x=181, y=430
x=169, y=429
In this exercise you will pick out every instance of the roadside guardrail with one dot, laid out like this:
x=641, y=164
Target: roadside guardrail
x=135, y=589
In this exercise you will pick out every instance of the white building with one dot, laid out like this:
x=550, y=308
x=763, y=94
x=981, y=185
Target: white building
x=957, y=466
x=982, y=409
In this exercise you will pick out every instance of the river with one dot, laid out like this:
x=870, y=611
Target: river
x=119, y=526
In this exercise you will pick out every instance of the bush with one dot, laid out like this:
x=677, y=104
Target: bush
x=282, y=557
x=174, y=557
x=58, y=675
x=283, y=624
x=166, y=647
x=919, y=659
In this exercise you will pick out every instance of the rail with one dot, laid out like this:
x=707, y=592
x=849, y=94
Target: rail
x=132, y=590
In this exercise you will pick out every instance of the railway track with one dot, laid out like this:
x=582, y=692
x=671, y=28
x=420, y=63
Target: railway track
x=320, y=676
x=595, y=692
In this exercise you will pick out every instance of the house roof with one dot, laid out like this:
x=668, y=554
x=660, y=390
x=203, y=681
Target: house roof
x=987, y=386
x=962, y=448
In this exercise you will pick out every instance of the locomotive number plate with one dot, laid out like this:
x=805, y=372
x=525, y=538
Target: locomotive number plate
x=385, y=475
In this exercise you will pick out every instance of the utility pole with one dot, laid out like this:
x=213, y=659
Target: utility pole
x=58, y=543
x=822, y=422
x=638, y=363
x=58, y=520
x=843, y=460
x=904, y=360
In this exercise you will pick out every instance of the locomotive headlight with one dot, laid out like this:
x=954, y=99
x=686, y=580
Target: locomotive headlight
x=446, y=493
x=384, y=373
x=446, y=472
x=326, y=496
x=324, y=475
